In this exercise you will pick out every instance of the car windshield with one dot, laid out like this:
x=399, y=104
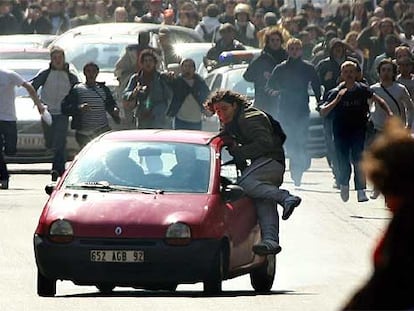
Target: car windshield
x=104, y=53
x=236, y=83
x=138, y=166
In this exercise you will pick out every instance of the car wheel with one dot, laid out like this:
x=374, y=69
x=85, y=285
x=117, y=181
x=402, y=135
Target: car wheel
x=212, y=285
x=45, y=287
x=262, y=278
x=105, y=288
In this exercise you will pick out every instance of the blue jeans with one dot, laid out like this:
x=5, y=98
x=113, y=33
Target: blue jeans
x=349, y=145
x=8, y=141
x=55, y=138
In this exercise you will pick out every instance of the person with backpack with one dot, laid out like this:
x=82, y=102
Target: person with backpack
x=209, y=25
x=255, y=140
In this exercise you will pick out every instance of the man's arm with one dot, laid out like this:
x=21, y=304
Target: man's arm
x=332, y=103
x=32, y=92
x=383, y=104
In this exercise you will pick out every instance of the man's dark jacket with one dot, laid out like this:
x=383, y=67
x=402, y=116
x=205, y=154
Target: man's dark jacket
x=253, y=132
x=181, y=90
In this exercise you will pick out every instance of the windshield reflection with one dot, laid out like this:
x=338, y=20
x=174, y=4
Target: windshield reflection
x=167, y=167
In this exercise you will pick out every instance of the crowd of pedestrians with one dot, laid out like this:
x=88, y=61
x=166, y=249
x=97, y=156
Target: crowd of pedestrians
x=300, y=46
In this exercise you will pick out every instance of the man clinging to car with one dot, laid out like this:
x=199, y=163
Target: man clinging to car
x=253, y=140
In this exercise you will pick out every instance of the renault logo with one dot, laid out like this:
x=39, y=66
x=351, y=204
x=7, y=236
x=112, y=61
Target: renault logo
x=118, y=230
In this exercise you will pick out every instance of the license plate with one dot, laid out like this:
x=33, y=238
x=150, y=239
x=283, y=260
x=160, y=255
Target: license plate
x=116, y=256
x=30, y=141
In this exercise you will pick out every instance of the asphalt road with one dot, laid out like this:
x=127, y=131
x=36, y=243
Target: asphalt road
x=327, y=247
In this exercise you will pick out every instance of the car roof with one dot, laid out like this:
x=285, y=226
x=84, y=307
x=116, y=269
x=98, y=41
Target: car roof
x=227, y=68
x=125, y=28
x=161, y=135
x=26, y=40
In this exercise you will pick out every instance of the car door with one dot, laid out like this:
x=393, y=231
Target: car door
x=239, y=217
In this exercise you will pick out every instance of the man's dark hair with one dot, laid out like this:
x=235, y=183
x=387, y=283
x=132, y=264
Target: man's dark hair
x=388, y=61
x=90, y=64
x=148, y=52
x=225, y=96
x=212, y=10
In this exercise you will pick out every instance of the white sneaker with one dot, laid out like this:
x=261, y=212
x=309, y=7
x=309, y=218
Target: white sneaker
x=361, y=195
x=344, y=193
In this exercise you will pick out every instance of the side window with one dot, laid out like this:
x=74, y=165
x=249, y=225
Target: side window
x=228, y=171
x=217, y=83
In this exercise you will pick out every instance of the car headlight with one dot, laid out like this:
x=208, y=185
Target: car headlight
x=178, y=234
x=61, y=231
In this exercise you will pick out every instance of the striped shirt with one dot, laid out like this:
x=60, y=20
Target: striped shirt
x=95, y=97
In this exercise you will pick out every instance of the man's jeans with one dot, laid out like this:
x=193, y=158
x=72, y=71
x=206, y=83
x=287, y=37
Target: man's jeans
x=55, y=138
x=261, y=182
x=349, y=146
x=8, y=141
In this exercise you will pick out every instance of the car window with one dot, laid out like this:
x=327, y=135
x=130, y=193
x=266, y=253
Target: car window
x=171, y=167
x=236, y=82
x=217, y=82
x=228, y=171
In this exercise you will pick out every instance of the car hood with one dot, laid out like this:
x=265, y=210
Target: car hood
x=95, y=213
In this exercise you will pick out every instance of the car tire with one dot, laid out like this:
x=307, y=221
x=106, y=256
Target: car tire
x=105, y=288
x=262, y=277
x=212, y=285
x=45, y=287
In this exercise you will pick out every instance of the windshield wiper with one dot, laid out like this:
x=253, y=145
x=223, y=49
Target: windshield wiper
x=105, y=185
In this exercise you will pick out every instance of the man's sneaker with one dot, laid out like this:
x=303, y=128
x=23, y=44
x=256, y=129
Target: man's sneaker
x=344, y=192
x=267, y=247
x=361, y=196
x=55, y=175
x=289, y=205
x=4, y=184
x=375, y=194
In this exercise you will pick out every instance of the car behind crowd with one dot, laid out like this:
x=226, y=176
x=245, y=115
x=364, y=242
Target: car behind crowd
x=149, y=209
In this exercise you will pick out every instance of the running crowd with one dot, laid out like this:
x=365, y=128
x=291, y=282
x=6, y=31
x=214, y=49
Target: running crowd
x=360, y=53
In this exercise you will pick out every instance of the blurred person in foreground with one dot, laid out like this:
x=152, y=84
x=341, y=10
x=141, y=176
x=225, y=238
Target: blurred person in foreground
x=8, y=129
x=257, y=139
x=389, y=164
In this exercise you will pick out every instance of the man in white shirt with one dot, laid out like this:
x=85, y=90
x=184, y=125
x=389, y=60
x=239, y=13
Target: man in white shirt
x=8, y=129
x=395, y=94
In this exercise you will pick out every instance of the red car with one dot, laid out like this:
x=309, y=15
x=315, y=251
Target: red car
x=149, y=209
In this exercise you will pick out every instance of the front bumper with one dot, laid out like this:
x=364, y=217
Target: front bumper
x=163, y=263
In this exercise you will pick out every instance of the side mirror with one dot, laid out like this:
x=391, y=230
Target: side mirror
x=233, y=193
x=49, y=188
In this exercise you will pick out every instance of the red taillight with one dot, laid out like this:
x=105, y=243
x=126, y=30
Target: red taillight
x=177, y=241
x=62, y=239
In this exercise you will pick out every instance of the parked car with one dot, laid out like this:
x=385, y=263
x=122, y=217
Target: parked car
x=155, y=209
x=27, y=40
x=17, y=52
x=231, y=77
x=30, y=141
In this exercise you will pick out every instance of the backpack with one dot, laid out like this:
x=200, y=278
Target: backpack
x=209, y=37
x=277, y=128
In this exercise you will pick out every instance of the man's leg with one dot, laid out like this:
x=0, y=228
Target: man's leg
x=268, y=219
x=262, y=180
x=8, y=138
x=60, y=131
x=342, y=146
